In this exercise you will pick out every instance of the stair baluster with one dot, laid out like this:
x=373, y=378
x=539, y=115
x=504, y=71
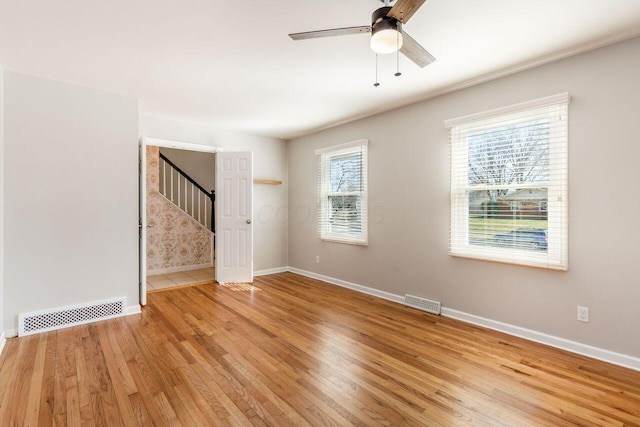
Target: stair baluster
x=175, y=187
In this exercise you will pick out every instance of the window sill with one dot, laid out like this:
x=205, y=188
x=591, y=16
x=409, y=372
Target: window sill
x=345, y=241
x=529, y=260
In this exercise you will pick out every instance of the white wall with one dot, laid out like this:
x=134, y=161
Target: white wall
x=71, y=223
x=409, y=205
x=2, y=337
x=269, y=162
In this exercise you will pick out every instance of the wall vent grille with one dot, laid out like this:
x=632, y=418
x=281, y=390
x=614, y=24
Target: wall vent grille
x=422, y=304
x=64, y=317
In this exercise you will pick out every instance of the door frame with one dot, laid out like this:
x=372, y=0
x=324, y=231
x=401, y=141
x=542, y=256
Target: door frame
x=145, y=141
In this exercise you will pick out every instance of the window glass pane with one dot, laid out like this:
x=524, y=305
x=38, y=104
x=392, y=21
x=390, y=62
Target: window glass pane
x=516, y=219
x=345, y=173
x=511, y=154
x=344, y=216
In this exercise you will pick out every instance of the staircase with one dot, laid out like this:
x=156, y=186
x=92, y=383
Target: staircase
x=184, y=192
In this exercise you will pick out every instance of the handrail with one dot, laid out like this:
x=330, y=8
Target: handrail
x=208, y=194
x=191, y=180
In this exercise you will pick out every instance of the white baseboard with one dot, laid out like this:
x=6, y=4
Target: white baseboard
x=550, y=340
x=270, y=271
x=619, y=359
x=3, y=341
x=178, y=269
x=349, y=285
x=132, y=309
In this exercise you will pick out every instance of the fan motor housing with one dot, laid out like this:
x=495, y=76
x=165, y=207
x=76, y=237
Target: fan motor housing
x=380, y=20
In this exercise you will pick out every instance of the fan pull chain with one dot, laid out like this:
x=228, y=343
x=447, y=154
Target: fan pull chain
x=398, y=73
x=376, y=84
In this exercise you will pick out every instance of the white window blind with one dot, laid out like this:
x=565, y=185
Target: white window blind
x=342, y=193
x=509, y=184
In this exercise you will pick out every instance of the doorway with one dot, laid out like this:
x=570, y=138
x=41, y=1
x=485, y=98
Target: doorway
x=176, y=216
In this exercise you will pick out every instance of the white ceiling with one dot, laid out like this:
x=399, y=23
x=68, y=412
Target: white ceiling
x=232, y=65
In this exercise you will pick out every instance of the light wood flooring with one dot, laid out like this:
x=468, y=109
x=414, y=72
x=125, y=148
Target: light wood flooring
x=289, y=350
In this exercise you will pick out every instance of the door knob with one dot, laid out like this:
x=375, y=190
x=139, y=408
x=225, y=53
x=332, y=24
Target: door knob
x=248, y=221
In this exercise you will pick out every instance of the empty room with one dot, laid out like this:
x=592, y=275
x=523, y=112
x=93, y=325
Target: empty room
x=365, y=212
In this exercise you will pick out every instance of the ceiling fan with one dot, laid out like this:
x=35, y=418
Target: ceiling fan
x=386, y=31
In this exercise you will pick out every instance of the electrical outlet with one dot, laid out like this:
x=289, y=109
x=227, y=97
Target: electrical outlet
x=317, y=259
x=583, y=314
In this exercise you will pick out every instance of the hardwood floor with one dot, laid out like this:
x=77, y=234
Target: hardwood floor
x=295, y=351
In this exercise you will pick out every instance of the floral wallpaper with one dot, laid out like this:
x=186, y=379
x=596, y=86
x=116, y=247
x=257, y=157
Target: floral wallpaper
x=174, y=239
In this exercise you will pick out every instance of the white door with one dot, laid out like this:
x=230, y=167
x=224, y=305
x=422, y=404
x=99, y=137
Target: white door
x=233, y=215
x=142, y=222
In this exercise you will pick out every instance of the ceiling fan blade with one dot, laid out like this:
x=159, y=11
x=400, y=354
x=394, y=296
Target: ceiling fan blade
x=331, y=33
x=403, y=10
x=412, y=50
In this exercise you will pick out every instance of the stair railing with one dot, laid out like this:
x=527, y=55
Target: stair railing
x=184, y=192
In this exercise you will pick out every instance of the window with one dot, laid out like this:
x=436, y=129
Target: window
x=509, y=184
x=342, y=180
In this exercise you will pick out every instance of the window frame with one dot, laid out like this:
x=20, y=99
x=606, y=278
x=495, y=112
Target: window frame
x=324, y=156
x=556, y=255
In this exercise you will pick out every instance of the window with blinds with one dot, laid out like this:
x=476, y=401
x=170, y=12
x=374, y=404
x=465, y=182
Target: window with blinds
x=342, y=192
x=509, y=184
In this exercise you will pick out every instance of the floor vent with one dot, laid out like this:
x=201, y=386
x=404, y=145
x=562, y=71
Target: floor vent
x=64, y=317
x=422, y=304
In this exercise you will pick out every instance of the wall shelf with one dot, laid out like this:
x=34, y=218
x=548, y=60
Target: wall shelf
x=267, y=181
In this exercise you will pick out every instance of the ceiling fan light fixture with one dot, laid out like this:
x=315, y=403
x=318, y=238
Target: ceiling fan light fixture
x=386, y=29
x=385, y=38
x=386, y=32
